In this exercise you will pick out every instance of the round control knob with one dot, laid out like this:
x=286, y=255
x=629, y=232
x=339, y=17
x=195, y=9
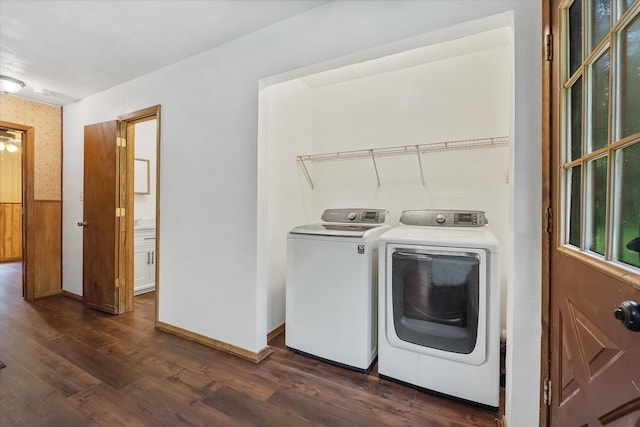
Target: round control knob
x=440, y=219
x=351, y=216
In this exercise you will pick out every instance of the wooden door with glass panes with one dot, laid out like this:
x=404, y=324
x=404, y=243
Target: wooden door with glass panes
x=595, y=196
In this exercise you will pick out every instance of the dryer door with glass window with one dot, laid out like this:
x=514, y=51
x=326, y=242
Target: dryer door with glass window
x=436, y=301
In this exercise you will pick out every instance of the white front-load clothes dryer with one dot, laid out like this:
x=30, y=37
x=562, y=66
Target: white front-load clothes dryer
x=439, y=305
x=331, y=287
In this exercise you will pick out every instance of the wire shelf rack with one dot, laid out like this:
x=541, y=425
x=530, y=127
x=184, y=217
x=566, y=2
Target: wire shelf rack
x=417, y=150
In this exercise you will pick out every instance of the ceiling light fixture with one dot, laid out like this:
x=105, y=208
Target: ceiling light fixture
x=10, y=140
x=10, y=85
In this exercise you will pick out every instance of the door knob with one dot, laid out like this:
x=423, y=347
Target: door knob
x=628, y=313
x=83, y=224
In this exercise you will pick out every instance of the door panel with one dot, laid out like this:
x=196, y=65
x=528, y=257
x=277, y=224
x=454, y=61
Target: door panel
x=101, y=233
x=595, y=360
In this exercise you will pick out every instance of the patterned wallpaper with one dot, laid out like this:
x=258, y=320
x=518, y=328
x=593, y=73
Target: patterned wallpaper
x=47, y=122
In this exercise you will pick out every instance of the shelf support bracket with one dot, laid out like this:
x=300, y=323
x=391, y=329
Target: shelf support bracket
x=375, y=167
x=306, y=172
x=420, y=163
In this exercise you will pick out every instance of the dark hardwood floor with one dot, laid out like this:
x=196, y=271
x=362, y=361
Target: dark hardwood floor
x=71, y=366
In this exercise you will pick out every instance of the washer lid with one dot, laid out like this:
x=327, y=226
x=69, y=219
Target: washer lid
x=328, y=229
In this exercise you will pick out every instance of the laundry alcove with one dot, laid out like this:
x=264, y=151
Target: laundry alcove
x=460, y=88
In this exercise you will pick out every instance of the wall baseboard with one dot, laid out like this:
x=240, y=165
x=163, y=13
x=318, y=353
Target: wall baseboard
x=48, y=293
x=216, y=344
x=276, y=332
x=71, y=295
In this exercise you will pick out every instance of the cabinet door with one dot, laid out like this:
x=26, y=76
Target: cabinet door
x=141, y=264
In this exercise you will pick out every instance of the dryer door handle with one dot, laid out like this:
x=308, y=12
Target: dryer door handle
x=413, y=255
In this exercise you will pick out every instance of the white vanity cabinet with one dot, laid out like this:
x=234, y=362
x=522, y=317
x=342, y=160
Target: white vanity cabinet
x=144, y=260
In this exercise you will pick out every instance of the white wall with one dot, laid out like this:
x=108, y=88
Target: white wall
x=284, y=197
x=145, y=148
x=209, y=197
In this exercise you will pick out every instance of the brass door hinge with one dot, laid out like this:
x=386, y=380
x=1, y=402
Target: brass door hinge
x=547, y=391
x=548, y=47
x=119, y=282
x=120, y=212
x=121, y=142
x=549, y=220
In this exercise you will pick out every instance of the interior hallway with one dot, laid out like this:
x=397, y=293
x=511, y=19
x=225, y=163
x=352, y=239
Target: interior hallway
x=72, y=366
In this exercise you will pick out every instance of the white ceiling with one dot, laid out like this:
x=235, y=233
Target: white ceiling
x=75, y=48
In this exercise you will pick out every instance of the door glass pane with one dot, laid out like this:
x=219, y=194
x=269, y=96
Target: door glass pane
x=630, y=79
x=574, y=205
x=575, y=36
x=625, y=5
x=597, y=204
x=600, y=103
x=576, y=120
x=600, y=11
x=628, y=226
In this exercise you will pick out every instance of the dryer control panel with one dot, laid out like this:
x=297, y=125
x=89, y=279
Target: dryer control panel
x=365, y=216
x=445, y=218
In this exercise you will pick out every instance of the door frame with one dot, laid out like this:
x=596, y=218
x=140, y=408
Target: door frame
x=549, y=46
x=28, y=224
x=128, y=122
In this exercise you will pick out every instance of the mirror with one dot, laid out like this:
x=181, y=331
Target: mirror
x=141, y=176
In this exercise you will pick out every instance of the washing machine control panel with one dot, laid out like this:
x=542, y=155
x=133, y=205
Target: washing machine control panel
x=447, y=218
x=373, y=216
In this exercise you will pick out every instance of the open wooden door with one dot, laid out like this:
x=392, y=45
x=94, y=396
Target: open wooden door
x=595, y=200
x=102, y=285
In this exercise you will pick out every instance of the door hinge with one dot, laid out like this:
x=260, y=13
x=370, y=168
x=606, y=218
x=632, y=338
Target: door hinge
x=119, y=282
x=121, y=142
x=120, y=212
x=547, y=392
x=548, y=47
x=549, y=220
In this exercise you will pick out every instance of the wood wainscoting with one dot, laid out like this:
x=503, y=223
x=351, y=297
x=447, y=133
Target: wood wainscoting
x=47, y=247
x=10, y=232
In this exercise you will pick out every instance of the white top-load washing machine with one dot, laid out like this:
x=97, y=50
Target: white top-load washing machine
x=439, y=301
x=331, y=287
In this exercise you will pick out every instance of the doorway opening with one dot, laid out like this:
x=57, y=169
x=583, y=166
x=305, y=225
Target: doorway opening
x=120, y=241
x=11, y=194
x=16, y=203
x=144, y=205
x=142, y=130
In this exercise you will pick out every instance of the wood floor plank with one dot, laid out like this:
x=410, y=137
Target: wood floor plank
x=225, y=368
x=175, y=406
x=108, y=370
x=26, y=399
x=254, y=412
x=109, y=408
x=366, y=400
x=60, y=374
x=72, y=366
